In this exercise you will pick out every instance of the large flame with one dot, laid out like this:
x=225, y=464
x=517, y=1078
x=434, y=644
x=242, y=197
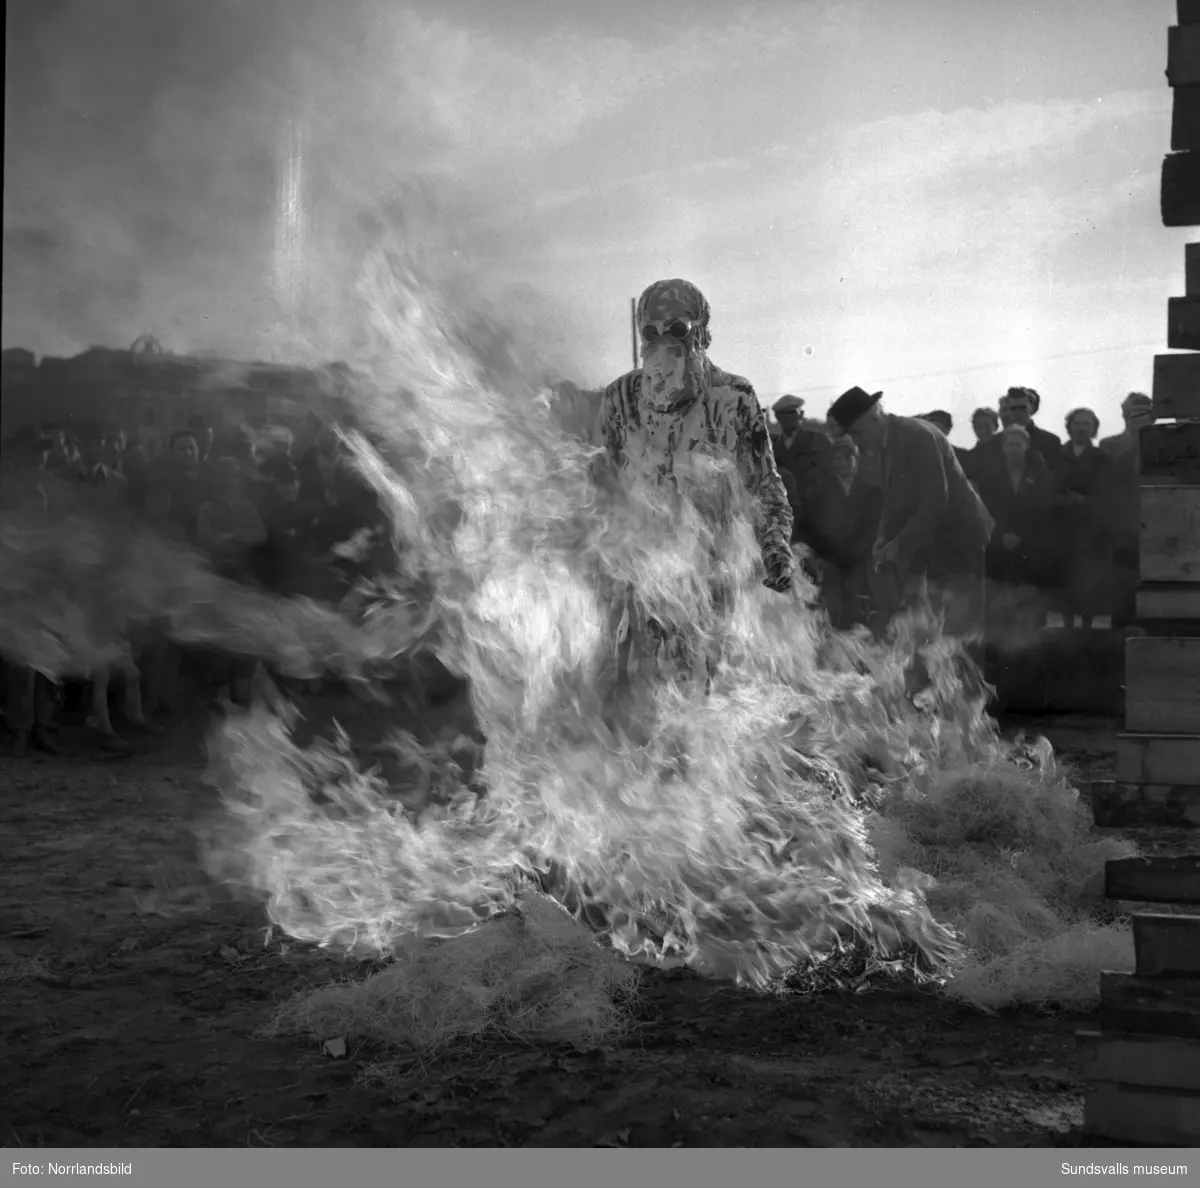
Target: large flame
x=726, y=825
x=711, y=791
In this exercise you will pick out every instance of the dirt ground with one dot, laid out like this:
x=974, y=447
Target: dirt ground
x=133, y=994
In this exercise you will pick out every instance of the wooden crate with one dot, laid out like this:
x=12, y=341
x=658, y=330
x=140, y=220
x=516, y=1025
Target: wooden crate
x=1170, y=451
x=1185, y=121
x=1117, y=805
x=1183, y=313
x=1141, y=1071
x=1162, y=685
x=1180, y=201
x=1157, y=879
x=1158, y=759
x=1167, y=946
x=1169, y=603
x=1150, y=1061
x=1132, y=1114
x=1183, y=55
x=1176, y=390
x=1169, y=549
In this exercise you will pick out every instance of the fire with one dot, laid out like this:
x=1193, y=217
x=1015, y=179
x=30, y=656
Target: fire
x=728, y=827
x=729, y=795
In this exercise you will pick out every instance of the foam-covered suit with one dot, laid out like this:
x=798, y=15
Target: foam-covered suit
x=678, y=404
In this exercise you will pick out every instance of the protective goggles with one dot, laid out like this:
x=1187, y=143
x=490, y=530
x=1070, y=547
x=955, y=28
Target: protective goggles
x=676, y=331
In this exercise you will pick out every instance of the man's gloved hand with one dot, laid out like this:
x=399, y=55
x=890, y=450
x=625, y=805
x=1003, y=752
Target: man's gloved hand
x=780, y=569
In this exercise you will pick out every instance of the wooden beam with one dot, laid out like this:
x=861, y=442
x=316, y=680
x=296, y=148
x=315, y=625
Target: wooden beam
x=1166, y=946
x=1176, y=387
x=1171, y=450
x=1169, y=603
x=1150, y=1006
x=1154, y=1062
x=1191, y=269
x=1179, y=201
x=1170, y=538
x=1158, y=758
x=1153, y=880
x=1136, y=1114
x=1118, y=805
x=1162, y=685
x=1183, y=323
x=1185, y=119
x=1183, y=55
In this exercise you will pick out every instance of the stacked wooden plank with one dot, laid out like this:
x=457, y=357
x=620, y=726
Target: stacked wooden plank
x=1142, y=1069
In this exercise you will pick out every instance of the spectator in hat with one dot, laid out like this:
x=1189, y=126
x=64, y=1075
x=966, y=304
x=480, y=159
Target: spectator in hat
x=934, y=528
x=944, y=423
x=847, y=511
x=803, y=453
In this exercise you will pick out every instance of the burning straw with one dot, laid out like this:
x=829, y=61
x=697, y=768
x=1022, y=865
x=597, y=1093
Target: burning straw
x=819, y=794
x=816, y=796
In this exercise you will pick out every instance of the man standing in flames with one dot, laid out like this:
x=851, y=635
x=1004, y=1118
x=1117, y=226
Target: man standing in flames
x=679, y=404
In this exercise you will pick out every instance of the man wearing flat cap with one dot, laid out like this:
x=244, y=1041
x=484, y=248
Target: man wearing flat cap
x=802, y=452
x=934, y=527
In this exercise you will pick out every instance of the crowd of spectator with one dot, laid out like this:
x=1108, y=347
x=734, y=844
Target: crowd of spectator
x=268, y=508
x=1065, y=511
x=259, y=505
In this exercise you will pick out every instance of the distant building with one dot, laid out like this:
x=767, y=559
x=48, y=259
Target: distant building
x=151, y=393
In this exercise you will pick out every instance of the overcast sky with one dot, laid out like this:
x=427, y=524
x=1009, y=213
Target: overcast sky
x=933, y=197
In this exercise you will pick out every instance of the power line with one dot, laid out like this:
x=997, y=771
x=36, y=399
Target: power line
x=988, y=366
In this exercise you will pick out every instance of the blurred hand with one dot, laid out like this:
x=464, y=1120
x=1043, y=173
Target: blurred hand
x=1010, y=540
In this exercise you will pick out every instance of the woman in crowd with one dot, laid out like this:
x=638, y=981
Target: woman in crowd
x=1080, y=523
x=1019, y=494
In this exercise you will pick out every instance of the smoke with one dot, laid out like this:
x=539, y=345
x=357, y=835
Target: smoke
x=213, y=174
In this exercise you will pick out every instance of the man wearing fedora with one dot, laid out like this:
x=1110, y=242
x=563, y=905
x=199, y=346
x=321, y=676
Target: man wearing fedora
x=934, y=527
